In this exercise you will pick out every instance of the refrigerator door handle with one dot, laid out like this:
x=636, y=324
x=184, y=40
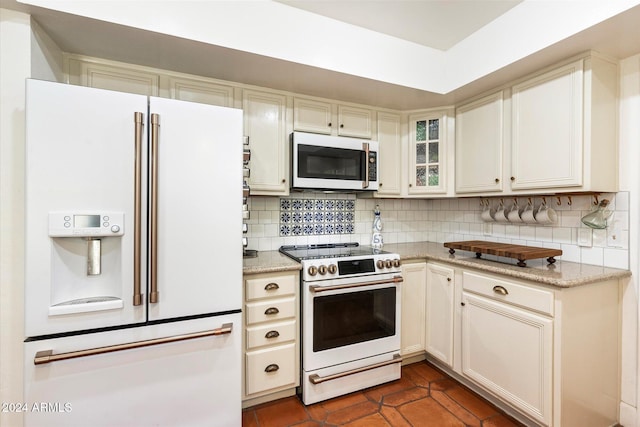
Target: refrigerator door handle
x=137, y=215
x=47, y=356
x=153, y=245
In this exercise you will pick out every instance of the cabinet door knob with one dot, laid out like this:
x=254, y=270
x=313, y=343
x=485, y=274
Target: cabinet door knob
x=448, y=279
x=462, y=304
x=271, y=287
x=500, y=290
x=271, y=310
x=272, y=334
x=341, y=125
x=497, y=180
x=329, y=124
x=513, y=178
x=284, y=180
x=272, y=368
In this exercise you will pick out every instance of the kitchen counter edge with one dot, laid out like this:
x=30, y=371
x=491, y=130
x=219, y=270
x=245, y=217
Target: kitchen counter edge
x=562, y=274
x=269, y=262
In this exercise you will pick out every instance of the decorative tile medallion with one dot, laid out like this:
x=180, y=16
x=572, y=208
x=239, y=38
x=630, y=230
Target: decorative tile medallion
x=312, y=217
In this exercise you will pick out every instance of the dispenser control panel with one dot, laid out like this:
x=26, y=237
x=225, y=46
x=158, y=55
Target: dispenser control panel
x=86, y=224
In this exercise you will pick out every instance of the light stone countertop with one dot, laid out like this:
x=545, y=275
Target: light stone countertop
x=561, y=274
x=269, y=262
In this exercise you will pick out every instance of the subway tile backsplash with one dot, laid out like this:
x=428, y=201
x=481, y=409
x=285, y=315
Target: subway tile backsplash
x=308, y=218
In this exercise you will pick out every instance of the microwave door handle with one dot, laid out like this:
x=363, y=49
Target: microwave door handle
x=365, y=147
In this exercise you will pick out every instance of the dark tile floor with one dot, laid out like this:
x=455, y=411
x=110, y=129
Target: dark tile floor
x=424, y=396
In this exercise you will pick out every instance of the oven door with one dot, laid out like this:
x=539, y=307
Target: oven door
x=320, y=161
x=349, y=319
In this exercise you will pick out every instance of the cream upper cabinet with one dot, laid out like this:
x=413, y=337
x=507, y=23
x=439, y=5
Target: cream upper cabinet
x=390, y=154
x=122, y=78
x=265, y=125
x=413, y=308
x=332, y=119
x=440, y=312
x=480, y=145
x=564, y=128
x=355, y=122
x=429, y=144
x=200, y=91
x=312, y=116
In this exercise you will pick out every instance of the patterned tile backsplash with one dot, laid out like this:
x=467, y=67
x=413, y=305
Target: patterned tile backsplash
x=321, y=216
x=310, y=218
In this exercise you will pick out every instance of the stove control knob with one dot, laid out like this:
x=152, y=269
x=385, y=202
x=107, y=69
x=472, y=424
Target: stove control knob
x=387, y=263
x=396, y=263
x=332, y=268
x=313, y=270
x=322, y=269
x=380, y=264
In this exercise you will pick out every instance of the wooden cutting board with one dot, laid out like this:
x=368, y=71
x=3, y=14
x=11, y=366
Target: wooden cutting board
x=519, y=252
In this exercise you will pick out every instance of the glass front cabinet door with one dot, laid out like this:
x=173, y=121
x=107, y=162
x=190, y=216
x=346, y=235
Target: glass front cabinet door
x=427, y=153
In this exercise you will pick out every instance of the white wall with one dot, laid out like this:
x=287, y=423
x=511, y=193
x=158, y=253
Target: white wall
x=630, y=181
x=15, y=48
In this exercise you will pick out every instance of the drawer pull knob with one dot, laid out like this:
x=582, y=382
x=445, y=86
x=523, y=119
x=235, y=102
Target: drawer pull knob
x=272, y=334
x=271, y=310
x=271, y=287
x=272, y=368
x=500, y=290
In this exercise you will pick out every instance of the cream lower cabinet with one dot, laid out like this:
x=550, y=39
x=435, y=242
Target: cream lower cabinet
x=552, y=354
x=412, y=324
x=271, y=338
x=440, y=312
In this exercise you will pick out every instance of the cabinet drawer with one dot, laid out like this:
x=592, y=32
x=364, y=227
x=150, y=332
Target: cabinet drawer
x=270, y=286
x=274, y=309
x=524, y=296
x=270, y=368
x=271, y=333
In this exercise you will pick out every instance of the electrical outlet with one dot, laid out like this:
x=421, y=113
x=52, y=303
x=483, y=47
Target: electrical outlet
x=585, y=237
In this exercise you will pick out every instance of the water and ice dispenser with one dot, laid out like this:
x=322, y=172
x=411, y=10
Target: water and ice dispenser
x=86, y=261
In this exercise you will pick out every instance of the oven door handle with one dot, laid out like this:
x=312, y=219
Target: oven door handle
x=320, y=288
x=317, y=379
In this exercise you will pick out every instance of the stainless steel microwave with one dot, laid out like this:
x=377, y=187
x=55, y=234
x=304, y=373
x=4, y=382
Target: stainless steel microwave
x=326, y=162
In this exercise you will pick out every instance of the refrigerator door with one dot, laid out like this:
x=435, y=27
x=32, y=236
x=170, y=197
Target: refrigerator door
x=80, y=176
x=194, y=382
x=196, y=225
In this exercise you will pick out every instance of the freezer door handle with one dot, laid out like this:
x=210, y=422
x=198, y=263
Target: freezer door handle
x=47, y=356
x=137, y=214
x=153, y=245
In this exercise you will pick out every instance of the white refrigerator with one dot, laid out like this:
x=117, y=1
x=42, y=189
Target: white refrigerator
x=133, y=281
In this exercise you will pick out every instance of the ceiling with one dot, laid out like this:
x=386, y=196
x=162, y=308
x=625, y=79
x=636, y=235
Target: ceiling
x=439, y=24
x=434, y=23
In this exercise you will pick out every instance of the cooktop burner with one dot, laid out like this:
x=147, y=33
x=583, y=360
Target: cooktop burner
x=329, y=250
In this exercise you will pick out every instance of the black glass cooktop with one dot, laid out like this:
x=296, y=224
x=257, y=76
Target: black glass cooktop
x=331, y=250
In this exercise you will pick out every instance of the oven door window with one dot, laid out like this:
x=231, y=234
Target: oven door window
x=353, y=317
x=330, y=163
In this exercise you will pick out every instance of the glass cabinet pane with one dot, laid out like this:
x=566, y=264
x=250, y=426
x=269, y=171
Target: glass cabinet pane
x=421, y=176
x=421, y=153
x=434, y=176
x=433, y=152
x=421, y=130
x=434, y=131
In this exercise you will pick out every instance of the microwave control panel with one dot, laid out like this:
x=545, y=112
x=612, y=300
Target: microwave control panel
x=86, y=224
x=373, y=166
